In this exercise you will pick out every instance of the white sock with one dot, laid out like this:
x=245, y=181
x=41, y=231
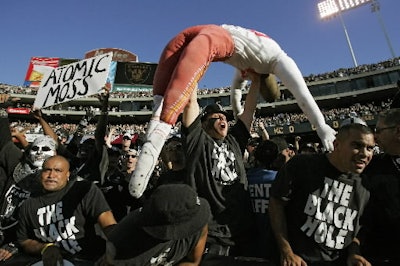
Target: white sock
x=148, y=157
x=158, y=102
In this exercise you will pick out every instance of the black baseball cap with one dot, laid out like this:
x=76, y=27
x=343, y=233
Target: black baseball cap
x=212, y=109
x=173, y=211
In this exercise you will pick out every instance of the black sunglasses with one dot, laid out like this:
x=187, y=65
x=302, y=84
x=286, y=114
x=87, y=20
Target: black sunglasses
x=44, y=148
x=171, y=147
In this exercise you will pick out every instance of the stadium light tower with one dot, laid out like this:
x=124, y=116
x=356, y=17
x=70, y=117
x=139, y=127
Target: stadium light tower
x=375, y=8
x=332, y=8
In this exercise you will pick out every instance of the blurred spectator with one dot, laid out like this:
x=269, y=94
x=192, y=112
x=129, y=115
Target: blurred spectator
x=260, y=178
x=174, y=158
x=382, y=218
x=171, y=228
x=284, y=152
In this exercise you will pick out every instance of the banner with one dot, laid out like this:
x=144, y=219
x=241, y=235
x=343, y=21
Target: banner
x=135, y=73
x=306, y=127
x=36, y=68
x=77, y=80
x=119, y=55
x=18, y=110
x=132, y=88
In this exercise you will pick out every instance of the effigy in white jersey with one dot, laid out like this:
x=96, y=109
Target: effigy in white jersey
x=253, y=50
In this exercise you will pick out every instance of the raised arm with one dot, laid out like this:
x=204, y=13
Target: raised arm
x=263, y=131
x=9, y=151
x=191, y=111
x=47, y=129
x=247, y=116
x=19, y=134
x=102, y=123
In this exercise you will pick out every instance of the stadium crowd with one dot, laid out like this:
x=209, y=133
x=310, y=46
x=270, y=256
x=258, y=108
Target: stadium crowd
x=339, y=73
x=263, y=157
x=278, y=119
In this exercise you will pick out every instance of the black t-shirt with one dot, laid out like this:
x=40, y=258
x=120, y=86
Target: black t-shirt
x=215, y=169
x=15, y=195
x=324, y=206
x=66, y=217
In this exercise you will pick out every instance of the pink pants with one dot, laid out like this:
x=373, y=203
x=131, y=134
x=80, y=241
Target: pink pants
x=183, y=63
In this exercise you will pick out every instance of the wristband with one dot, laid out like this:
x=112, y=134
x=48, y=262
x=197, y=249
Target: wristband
x=45, y=247
x=354, y=248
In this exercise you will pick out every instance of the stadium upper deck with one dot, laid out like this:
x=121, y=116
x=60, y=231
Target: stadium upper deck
x=340, y=88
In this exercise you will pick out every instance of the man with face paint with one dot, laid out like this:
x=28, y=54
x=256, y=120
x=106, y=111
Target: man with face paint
x=89, y=158
x=42, y=148
x=19, y=179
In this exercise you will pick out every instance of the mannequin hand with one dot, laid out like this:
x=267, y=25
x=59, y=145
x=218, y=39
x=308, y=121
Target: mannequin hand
x=327, y=136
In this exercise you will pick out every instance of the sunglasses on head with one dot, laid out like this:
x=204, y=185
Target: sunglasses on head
x=44, y=148
x=379, y=130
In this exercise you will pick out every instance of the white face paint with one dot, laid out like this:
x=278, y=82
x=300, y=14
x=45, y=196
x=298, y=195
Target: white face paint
x=42, y=148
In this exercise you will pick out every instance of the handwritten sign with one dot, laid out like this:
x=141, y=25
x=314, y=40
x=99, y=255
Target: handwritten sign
x=77, y=80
